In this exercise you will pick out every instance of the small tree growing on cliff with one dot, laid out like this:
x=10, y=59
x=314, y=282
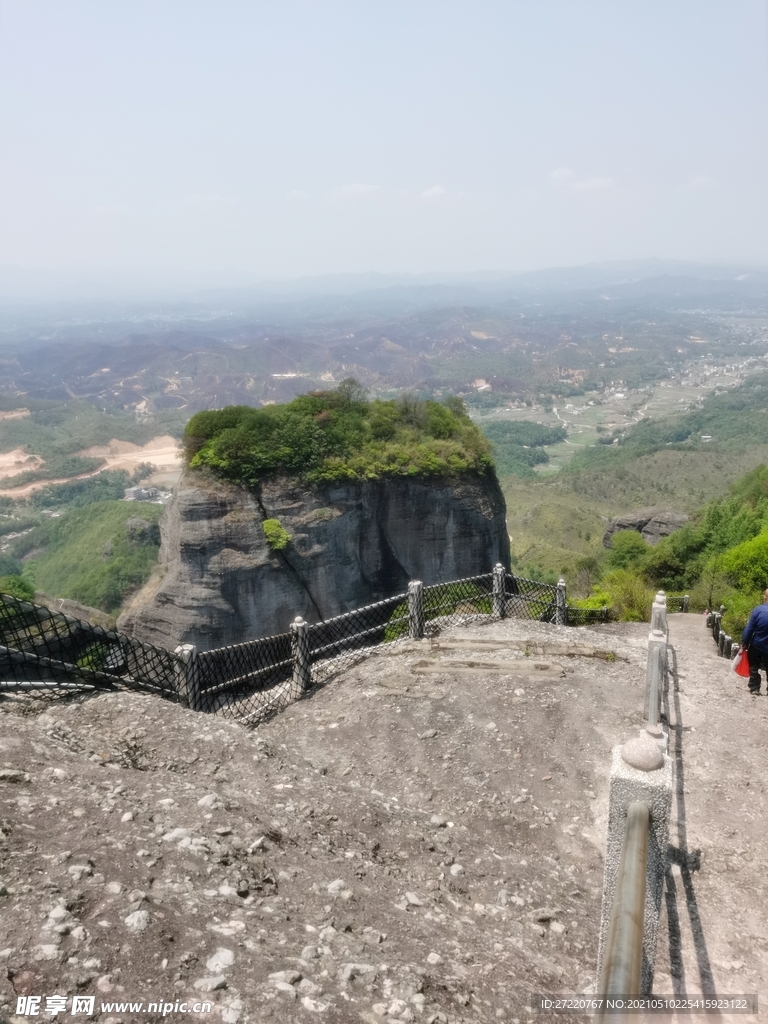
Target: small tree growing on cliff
x=277, y=536
x=352, y=390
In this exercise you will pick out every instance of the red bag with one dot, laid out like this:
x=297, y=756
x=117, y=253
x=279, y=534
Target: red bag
x=740, y=663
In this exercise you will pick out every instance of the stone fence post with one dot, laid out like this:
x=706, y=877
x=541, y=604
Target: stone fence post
x=561, y=613
x=659, y=612
x=655, y=673
x=302, y=666
x=416, y=610
x=640, y=771
x=187, y=676
x=499, y=591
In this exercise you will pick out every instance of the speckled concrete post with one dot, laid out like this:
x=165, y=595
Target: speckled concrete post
x=187, y=677
x=657, y=642
x=561, y=612
x=654, y=788
x=302, y=665
x=416, y=610
x=659, y=617
x=499, y=595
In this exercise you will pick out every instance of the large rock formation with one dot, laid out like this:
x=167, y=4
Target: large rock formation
x=352, y=543
x=651, y=523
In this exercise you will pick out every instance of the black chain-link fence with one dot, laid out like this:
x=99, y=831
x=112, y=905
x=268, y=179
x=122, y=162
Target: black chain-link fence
x=44, y=650
x=336, y=643
x=529, y=599
x=457, y=603
x=250, y=680
x=588, y=616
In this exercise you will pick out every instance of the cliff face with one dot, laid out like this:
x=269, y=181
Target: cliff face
x=351, y=544
x=651, y=523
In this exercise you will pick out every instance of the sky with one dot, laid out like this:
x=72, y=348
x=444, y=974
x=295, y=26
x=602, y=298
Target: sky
x=219, y=142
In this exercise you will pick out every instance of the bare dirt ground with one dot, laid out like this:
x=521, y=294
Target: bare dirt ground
x=18, y=461
x=421, y=839
x=163, y=452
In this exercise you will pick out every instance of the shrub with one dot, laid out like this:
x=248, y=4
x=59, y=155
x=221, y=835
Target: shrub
x=746, y=565
x=17, y=587
x=277, y=536
x=629, y=596
x=627, y=549
x=738, y=607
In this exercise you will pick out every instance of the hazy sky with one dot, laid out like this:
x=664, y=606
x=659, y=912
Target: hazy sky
x=224, y=141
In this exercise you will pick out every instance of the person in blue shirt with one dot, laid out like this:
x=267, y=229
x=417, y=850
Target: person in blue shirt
x=754, y=640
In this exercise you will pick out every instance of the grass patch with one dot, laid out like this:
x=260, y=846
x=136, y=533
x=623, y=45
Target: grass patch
x=96, y=555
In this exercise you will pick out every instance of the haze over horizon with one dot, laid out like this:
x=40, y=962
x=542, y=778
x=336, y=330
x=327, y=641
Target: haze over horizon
x=196, y=145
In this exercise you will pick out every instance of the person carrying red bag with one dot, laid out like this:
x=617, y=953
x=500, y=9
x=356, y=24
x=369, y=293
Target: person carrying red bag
x=754, y=640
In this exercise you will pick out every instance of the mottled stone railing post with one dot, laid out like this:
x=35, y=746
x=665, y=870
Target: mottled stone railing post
x=561, y=612
x=659, y=612
x=640, y=771
x=655, y=674
x=302, y=666
x=686, y=602
x=655, y=683
x=416, y=610
x=187, y=676
x=499, y=591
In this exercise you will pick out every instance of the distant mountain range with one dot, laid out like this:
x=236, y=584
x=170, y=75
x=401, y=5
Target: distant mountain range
x=20, y=287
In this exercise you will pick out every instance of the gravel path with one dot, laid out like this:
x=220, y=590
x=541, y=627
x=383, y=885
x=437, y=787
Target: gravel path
x=714, y=928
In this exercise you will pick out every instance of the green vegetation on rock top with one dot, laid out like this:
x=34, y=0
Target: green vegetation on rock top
x=337, y=435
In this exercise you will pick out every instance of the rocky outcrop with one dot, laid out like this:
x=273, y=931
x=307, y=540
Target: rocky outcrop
x=351, y=544
x=651, y=523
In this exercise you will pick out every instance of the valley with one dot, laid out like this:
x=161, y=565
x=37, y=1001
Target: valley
x=576, y=388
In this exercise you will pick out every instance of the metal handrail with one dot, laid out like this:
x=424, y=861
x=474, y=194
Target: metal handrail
x=623, y=958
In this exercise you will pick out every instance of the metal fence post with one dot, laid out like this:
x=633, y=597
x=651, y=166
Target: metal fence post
x=499, y=595
x=187, y=676
x=302, y=666
x=416, y=610
x=561, y=613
